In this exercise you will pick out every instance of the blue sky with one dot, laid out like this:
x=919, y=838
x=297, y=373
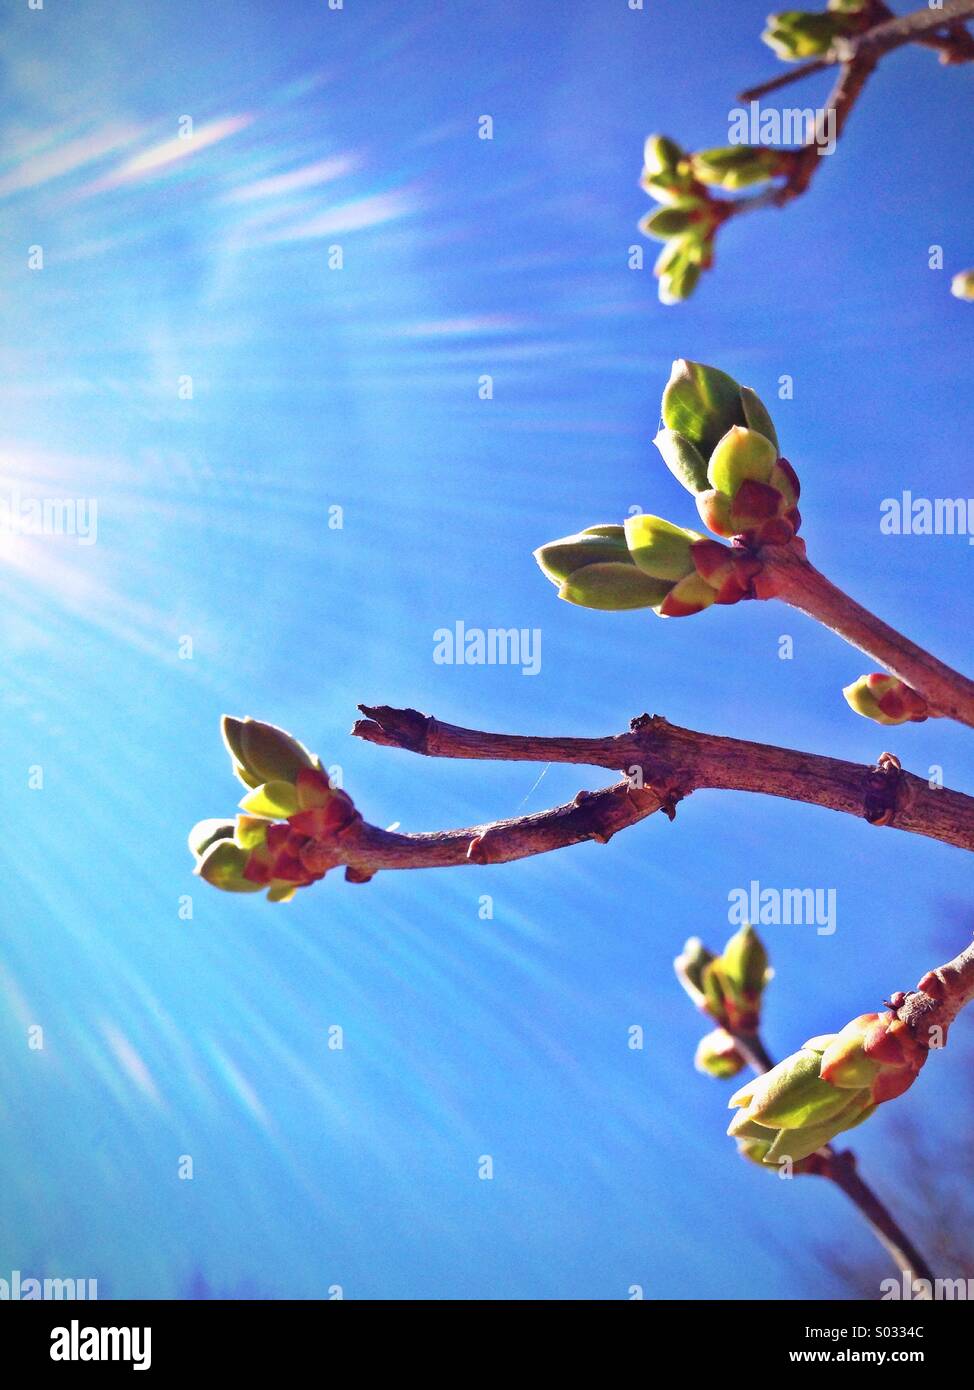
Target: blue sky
x=357, y=388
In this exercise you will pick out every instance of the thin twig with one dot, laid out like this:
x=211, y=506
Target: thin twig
x=840, y=1168
x=785, y=79
x=915, y=27
x=788, y=575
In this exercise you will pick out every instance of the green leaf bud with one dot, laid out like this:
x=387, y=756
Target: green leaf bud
x=223, y=866
x=613, y=587
x=659, y=548
x=739, y=455
x=206, y=832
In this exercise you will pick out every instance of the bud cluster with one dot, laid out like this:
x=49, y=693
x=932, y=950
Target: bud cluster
x=647, y=563
x=833, y=1083
x=719, y=441
x=290, y=807
x=729, y=989
x=798, y=34
x=886, y=699
x=689, y=215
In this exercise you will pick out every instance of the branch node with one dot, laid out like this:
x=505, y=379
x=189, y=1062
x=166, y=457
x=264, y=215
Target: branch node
x=477, y=851
x=885, y=790
x=655, y=722
x=353, y=875
x=931, y=984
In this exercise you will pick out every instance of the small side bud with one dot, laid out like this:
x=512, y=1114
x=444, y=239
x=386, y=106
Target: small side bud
x=263, y=752
x=741, y=454
x=661, y=155
x=962, y=285
x=737, y=166
x=205, y=833
x=223, y=866
x=798, y=34
x=886, y=700
x=717, y=1055
x=746, y=961
x=675, y=220
x=690, y=965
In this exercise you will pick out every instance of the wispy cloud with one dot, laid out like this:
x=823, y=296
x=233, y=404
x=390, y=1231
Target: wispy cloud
x=161, y=157
x=309, y=176
x=347, y=217
x=37, y=167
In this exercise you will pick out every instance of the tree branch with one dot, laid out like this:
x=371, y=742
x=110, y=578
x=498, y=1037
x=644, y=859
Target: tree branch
x=857, y=57
x=916, y=27
x=805, y=162
x=787, y=575
x=662, y=764
x=955, y=44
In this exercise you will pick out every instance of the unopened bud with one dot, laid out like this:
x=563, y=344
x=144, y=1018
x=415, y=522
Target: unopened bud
x=831, y=1084
x=797, y=34
x=717, y=1055
x=594, y=569
x=886, y=699
x=659, y=548
x=661, y=155
x=223, y=865
x=690, y=965
x=746, y=961
x=739, y=455
x=962, y=285
x=701, y=404
x=206, y=833
x=678, y=218
x=263, y=751
x=736, y=166
x=594, y=546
